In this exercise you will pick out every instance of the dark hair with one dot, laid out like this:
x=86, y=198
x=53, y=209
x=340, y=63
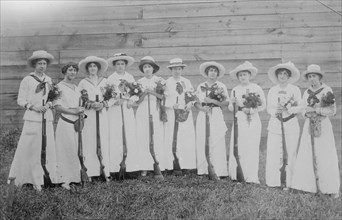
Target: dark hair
x=96, y=63
x=35, y=61
x=214, y=67
x=66, y=67
x=281, y=70
x=237, y=73
x=318, y=74
x=119, y=60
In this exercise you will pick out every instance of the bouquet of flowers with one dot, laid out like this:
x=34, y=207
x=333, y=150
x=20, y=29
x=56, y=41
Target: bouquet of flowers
x=217, y=93
x=190, y=96
x=54, y=93
x=251, y=100
x=288, y=102
x=108, y=92
x=133, y=89
x=160, y=89
x=327, y=99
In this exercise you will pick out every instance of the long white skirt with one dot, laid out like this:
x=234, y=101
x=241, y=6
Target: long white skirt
x=91, y=160
x=116, y=137
x=26, y=166
x=327, y=161
x=143, y=138
x=68, y=164
x=186, y=142
x=248, y=146
x=217, y=143
x=274, y=160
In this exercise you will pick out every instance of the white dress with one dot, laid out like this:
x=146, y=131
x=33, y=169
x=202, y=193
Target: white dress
x=91, y=160
x=186, y=138
x=217, y=143
x=115, y=131
x=26, y=166
x=249, y=134
x=142, y=125
x=68, y=164
x=274, y=159
x=325, y=153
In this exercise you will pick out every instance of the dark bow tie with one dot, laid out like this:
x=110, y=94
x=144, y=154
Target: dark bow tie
x=41, y=86
x=207, y=89
x=312, y=99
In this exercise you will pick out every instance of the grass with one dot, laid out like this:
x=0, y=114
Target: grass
x=186, y=197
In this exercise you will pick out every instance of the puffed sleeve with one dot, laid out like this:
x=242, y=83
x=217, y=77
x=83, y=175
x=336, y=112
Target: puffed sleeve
x=23, y=94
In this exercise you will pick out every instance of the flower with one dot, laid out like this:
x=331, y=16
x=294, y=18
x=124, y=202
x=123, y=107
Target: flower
x=131, y=89
x=287, y=102
x=54, y=93
x=252, y=100
x=108, y=92
x=217, y=93
x=85, y=99
x=160, y=89
x=190, y=96
x=327, y=99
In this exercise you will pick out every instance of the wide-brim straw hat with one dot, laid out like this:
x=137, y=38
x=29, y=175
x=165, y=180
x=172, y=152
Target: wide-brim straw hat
x=121, y=56
x=295, y=75
x=40, y=54
x=148, y=60
x=205, y=65
x=176, y=62
x=92, y=59
x=313, y=68
x=246, y=66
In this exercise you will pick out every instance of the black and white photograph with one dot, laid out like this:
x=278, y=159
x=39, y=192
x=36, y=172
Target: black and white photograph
x=171, y=109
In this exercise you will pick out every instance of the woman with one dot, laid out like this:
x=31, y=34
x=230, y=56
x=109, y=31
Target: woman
x=316, y=168
x=94, y=67
x=176, y=87
x=34, y=89
x=120, y=62
x=283, y=103
x=217, y=144
x=68, y=165
x=149, y=82
x=249, y=124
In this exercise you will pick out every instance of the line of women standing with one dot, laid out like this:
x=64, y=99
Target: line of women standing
x=118, y=126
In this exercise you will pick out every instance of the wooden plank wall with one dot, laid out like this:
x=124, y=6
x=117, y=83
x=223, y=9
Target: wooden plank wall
x=264, y=32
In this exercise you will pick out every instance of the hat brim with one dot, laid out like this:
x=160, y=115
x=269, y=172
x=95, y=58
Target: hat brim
x=130, y=60
x=83, y=63
x=252, y=70
x=176, y=65
x=295, y=75
x=305, y=73
x=154, y=65
x=47, y=56
x=203, y=66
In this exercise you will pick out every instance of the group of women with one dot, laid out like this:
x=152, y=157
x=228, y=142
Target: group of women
x=125, y=125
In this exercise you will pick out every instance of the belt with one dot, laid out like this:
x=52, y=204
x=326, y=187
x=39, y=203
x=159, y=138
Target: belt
x=212, y=105
x=67, y=120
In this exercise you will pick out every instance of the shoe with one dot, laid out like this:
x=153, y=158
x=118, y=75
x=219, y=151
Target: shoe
x=66, y=186
x=286, y=189
x=335, y=196
x=143, y=173
x=37, y=187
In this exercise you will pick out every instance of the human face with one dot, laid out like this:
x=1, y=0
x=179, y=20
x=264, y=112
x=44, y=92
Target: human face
x=93, y=69
x=148, y=70
x=244, y=77
x=120, y=66
x=283, y=76
x=41, y=66
x=314, y=79
x=212, y=74
x=177, y=71
x=71, y=73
